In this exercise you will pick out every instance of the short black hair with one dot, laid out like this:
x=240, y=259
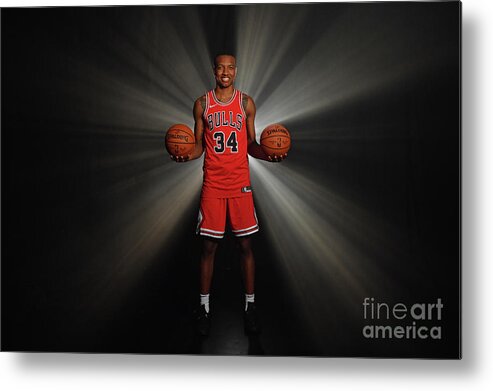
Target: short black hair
x=222, y=54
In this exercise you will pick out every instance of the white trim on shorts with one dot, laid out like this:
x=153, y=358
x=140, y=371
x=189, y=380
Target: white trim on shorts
x=212, y=231
x=202, y=233
x=244, y=229
x=247, y=232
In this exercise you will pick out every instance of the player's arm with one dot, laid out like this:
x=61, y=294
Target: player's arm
x=254, y=149
x=198, y=111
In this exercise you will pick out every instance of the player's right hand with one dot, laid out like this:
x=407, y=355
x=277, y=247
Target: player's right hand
x=180, y=159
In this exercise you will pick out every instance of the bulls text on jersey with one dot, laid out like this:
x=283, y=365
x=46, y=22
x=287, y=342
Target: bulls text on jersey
x=219, y=118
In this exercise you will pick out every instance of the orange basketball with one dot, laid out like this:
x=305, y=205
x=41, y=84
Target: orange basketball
x=180, y=140
x=275, y=140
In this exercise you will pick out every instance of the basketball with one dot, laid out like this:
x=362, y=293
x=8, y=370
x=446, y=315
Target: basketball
x=180, y=140
x=275, y=140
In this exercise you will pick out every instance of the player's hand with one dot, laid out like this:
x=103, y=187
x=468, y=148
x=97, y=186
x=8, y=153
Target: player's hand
x=180, y=159
x=277, y=159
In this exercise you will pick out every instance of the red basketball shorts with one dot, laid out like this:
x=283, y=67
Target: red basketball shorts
x=240, y=212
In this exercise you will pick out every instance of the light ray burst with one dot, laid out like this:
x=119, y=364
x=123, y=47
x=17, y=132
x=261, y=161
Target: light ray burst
x=146, y=227
x=147, y=194
x=257, y=63
x=332, y=72
x=324, y=242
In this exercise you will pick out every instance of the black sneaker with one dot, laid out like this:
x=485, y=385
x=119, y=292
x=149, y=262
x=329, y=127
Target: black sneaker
x=203, y=322
x=252, y=325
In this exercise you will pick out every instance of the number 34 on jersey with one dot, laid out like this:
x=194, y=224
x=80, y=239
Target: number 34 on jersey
x=231, y=142
x=221, y=120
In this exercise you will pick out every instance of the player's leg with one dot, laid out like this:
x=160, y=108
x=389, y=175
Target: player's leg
x=252, y=324
x=247, y=264
x=211, y=226
x=244, y=223
x=209, y=248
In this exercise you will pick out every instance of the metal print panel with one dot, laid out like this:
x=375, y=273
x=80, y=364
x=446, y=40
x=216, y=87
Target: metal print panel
x=336, y=232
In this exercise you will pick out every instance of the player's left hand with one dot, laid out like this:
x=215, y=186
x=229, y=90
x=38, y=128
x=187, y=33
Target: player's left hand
x=277, y=159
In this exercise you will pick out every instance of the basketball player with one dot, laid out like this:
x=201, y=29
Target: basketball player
x=225, y=129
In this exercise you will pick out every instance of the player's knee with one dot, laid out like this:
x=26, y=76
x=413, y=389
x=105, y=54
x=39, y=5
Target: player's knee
x=245, y=245
x=209, y=248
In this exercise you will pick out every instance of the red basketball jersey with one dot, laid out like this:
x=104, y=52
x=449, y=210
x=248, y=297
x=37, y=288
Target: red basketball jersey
x=226, y=172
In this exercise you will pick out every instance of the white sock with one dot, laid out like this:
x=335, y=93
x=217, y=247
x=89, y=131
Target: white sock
x=249, y=299
x=204, y=300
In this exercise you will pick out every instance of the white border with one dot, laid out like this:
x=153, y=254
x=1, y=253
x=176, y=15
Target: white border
x=29, y=371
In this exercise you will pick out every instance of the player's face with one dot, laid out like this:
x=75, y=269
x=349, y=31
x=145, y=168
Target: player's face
x=225, y=71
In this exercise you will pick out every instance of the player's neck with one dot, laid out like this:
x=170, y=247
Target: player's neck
x=224, y=94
